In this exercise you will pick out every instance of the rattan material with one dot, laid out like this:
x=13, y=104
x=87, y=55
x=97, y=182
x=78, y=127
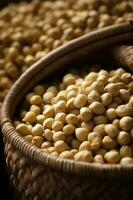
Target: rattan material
x=39, y=176
x=121, y=52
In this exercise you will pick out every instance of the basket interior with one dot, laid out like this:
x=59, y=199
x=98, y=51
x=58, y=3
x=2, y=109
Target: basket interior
x=100, y=57
x=86, y=60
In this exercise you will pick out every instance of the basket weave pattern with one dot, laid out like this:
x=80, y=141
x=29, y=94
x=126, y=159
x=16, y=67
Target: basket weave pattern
x=34, y=182
x=37, y=176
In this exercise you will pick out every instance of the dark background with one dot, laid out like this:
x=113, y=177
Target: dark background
x=5, y=2
x=5, y=190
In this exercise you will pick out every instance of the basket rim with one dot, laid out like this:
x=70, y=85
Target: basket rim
x=34, y=153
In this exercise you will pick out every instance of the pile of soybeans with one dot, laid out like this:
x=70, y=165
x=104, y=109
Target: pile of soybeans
x=85, y=117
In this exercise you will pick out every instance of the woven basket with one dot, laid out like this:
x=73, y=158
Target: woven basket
x=36, y=175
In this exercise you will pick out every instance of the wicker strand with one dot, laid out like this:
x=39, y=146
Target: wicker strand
x=123, y=54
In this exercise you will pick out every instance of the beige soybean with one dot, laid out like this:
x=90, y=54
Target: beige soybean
x=36, y=109
x=40, y=119
x=61, y=117
x=112, y=88
x=68, y=129
x=116, y=122
x=103, y=79
x=126, y=77
x=114, y=79
x=46, y=145
x=51, y=149
x=37, y=130
x=67, y=155
x=61, y=146
x=72, y=119
x=37, y=141
x=125, y=95
x=100, y=129
x=93, y=96
x=97, y=108
x=112, y=157
x=86, y=145
x=74, y=151
x=98, y=159
x=36, y=100
x=126, y=161
x=123, y=138
x=47, y=97
x=28, y=138
x=103, y=72
x=59, y=136
x=95, y=140
x=57, y=125
x=98, y=86
x=71, y=94
x=39, y=90
x=49, y=112
x=89, y=125
x=124, y=110
x=52, y=89
x=85, y=114
x=30, y=117
x=106, y=99
x=70, y=104
x=72, y=88
x=108, y=143
x=120, y=71
x=84, y=156
x=120, y=111
x=80, y=101
x=126, y=151
x=129, y=109
x=48, y=134
x=61, y=96
x=60, y=107
x=23, y=130
x=126, y=123
x=111, y=130
x=81, y=134
x=48, y=123
x=111, y=114
x=91, y=77
x=68, y=79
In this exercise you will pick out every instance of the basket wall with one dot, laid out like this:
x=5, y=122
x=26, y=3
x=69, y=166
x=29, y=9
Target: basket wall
x=35, y=182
